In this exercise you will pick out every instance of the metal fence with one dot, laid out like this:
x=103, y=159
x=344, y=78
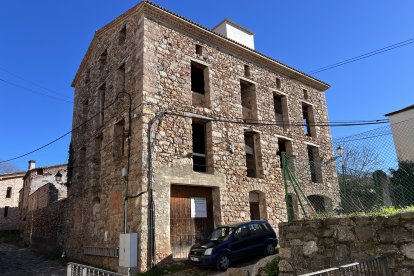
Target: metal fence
x=74, y=269
x=372, y=267
x=370, y=172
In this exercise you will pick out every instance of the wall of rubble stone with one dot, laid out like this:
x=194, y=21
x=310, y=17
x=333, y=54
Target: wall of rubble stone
x=308, y=246
x=43, y=229
x=15, y=182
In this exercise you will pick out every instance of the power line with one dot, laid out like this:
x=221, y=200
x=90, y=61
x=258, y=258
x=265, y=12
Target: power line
x=228, y=120
x=34, y=91
x=363, y=56
x=33, y=83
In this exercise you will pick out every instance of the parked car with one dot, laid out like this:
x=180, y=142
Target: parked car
x=233, y=242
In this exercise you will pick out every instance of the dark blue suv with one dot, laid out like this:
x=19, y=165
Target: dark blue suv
x=232, y=242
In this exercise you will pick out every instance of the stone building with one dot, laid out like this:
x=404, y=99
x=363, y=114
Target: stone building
x=10, y=184
x=198, y=118
x=41, y=188
x=402, y=125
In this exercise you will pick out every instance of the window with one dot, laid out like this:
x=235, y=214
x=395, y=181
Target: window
x=308, y=120
x=305, y=94
x=318, y=203
x=122, y=36
x=85, y=110
x=285, y=146
x=88, y=76
x=119, y=139
x=278, y=83
x=197, y=78
x=200, y=85
x=9, y=191
x=199, y=50
x=121, y=77
x=101, y=95
x=242, y=232
x=314, y=164
x=102, y=59
x=281, y=114
x=247, y=71
x=199, y=147
x=6, y=211
x=252, y=150
x=248, y=100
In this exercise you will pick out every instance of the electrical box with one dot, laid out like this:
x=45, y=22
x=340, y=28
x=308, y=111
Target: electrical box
x=128, y=245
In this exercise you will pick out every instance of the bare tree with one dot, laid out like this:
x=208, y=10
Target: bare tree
x=360, y=161
x=7, y=167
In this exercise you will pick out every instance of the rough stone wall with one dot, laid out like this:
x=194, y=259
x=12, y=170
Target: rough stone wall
x=15, y=182
x=168, y=55
x=42, y=229
x=46, y=195
x=313, y=245
x=97, y=193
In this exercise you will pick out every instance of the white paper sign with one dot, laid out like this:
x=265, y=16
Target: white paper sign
x=198, y=207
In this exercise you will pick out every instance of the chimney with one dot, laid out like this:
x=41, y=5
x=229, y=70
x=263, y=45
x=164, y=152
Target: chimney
x=235, y=32
x=32, y=165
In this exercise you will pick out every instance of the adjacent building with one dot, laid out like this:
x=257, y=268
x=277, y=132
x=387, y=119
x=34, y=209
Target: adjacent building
x=10, y=185
x=402, y=125
x=187, y=124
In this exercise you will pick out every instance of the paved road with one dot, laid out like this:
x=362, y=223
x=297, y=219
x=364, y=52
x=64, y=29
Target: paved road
x=21, y=261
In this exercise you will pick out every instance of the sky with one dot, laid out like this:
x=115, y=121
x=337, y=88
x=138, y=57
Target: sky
x=42, y=44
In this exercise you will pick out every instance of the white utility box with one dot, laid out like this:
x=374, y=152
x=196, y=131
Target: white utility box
x=128, y=245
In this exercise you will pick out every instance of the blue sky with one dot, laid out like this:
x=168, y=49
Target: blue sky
x=44, y=42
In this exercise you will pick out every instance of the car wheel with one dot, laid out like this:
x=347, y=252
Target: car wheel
x=270, y=249
x=223, y=262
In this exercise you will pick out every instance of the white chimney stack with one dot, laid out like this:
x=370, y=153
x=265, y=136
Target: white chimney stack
x=32, y=165
x=235, y=32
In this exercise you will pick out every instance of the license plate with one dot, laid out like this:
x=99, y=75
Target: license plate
x=194, y=259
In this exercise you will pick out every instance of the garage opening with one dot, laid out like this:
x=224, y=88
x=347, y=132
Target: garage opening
x=191, y=217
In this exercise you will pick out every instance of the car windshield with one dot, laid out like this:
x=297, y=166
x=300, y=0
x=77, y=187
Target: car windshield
x=221, y=233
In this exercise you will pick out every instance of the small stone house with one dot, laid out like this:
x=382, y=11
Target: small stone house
x=188, y=124
x=41, y=188
x=10, y=184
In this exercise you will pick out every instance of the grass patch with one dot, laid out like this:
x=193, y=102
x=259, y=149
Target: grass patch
x=382, y=211
x=271, y=269
x=164, y=270
x=12, y=238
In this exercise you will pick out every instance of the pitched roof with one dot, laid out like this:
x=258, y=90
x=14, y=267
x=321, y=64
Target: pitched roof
x=401, y=110
x=281, y=67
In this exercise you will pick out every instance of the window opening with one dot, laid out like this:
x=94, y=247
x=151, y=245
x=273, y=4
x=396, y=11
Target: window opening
x=119, y=139
x=101, y=93
x=278, y=83
x=253, y=161
x=248, y=100
x=199, y=147
x=197, y=78
x=122, y=36
x=314, y=164
x=306, y=120
x=103, y=58
x=6, y=211
x=199, y=50
x=279, y=114
x=8, y=192
x=247, y=71
x=305, y=94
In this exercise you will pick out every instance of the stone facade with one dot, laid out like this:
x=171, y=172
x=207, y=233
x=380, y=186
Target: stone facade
x=10, y=185
x=313, y=245
x=43, y=229
x=37, y=192
x=149, y=52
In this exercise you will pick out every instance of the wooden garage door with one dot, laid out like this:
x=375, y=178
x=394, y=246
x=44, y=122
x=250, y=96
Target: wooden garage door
x=185, y=230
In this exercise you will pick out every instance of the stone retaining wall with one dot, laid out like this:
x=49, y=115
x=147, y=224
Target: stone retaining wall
x=313, y=245
x=42, y=230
